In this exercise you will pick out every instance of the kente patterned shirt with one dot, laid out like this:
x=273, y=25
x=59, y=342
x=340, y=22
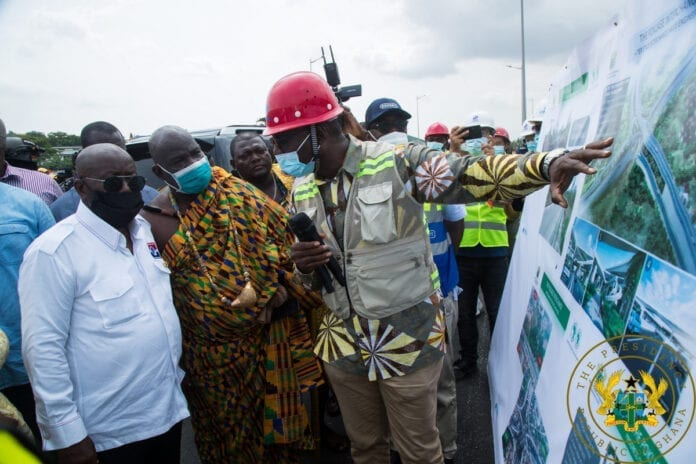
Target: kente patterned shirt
x=415, y=337
x=244, y=378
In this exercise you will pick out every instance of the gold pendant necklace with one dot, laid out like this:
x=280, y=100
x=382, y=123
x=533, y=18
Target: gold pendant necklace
x=247, y=298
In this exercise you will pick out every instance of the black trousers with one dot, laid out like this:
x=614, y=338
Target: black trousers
x=489, y=274
x=23, y=399
x=164, y=449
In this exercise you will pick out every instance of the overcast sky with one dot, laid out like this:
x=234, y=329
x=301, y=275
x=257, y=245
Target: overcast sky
x=143, y=64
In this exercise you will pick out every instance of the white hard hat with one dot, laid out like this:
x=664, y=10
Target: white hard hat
x=480, y=118
x=527, y=128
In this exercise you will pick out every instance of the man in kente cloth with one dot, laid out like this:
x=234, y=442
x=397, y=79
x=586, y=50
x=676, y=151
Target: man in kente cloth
x=246, y=346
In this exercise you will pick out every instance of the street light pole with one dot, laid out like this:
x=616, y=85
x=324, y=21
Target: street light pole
x=418, y=98
x=524, y=77
x=311, y=61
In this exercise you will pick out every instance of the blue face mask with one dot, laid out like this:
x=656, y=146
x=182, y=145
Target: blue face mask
x=435, y=145
x=531, y=145
x=290, y=163
x=498, y=149
x=473, y=146
x=193, y=179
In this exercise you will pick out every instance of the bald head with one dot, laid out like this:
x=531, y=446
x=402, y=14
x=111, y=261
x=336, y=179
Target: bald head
x=108, y=184
x=103, y=160
x=168, y=139
x=172, y=149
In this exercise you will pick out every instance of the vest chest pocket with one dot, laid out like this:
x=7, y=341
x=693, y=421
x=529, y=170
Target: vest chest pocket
x=388, y=281
x=377, y=224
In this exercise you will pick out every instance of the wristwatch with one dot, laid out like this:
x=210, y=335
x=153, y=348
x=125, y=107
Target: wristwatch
x=550, y=158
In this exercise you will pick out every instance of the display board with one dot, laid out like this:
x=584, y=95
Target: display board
x=593, y=355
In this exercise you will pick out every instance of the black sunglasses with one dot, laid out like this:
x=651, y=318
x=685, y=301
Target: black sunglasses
x=114, y=183
x=391, y=125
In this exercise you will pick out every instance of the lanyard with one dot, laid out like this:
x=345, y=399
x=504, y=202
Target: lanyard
x=339, y=189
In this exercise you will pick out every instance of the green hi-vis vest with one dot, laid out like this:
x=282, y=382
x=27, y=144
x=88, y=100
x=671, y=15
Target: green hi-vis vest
x=485, y=225
x=387, y=260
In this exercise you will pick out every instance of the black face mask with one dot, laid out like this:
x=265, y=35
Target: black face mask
x=117, y=208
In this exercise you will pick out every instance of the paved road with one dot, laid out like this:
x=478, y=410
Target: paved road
x=475, y=434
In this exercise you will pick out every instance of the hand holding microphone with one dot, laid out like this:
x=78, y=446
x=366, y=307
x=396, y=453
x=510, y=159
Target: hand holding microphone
x=310, y=253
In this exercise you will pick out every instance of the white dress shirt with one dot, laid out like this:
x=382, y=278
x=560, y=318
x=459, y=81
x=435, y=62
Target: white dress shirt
x=101, y=338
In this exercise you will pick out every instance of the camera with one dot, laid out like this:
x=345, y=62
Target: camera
x=331, y=71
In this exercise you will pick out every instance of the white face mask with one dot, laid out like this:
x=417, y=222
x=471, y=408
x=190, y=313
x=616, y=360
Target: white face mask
x=473, y=146
x=435, y=145
x=395, y=138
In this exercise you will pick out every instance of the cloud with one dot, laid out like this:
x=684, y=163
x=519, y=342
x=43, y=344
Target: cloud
x=669, y=290
x=441, y=33
x=58, y=25
x=199, y=66
x=124, y=60
x=413, y=60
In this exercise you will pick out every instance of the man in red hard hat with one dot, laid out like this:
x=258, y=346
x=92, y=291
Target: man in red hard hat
x=382, y=343
x=437, y=136
x=501, y=141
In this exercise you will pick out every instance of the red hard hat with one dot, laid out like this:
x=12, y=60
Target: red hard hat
x=501, y=132
x=437, y=128
x=299, y=99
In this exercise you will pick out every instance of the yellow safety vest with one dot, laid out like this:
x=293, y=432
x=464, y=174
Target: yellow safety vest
x=14, y=452
x=485, y=224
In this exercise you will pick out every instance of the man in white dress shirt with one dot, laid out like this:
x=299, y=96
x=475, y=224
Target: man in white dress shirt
x=101, y=338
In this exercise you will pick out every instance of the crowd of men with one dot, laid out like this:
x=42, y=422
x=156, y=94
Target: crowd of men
x=128, y=309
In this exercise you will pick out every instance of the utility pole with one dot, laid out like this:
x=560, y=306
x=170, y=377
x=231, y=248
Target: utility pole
x=311, y=61
x=418, y=99
x=524, y=77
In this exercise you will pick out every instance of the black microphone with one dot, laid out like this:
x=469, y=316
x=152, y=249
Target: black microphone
x=303, y=227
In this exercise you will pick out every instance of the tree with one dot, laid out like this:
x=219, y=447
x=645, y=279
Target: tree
x=48, y=142
x=55, y=162
x=61, y=139
x=38, y=138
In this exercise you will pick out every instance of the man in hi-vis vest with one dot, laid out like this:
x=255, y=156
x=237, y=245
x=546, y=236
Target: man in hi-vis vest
x=382, y=344
x=482, y=258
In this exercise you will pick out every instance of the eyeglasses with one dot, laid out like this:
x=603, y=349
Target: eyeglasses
x=115, y=183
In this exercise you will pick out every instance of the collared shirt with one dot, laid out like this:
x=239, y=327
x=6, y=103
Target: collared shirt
x=23, y=217
x=67, y=204
x=101, y=340
x=35, y=182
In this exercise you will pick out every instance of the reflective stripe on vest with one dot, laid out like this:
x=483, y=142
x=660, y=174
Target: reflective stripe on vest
x=485, y=225
x=370, y=167
x=435, y=278
x=306, y=191
x=428, y=206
